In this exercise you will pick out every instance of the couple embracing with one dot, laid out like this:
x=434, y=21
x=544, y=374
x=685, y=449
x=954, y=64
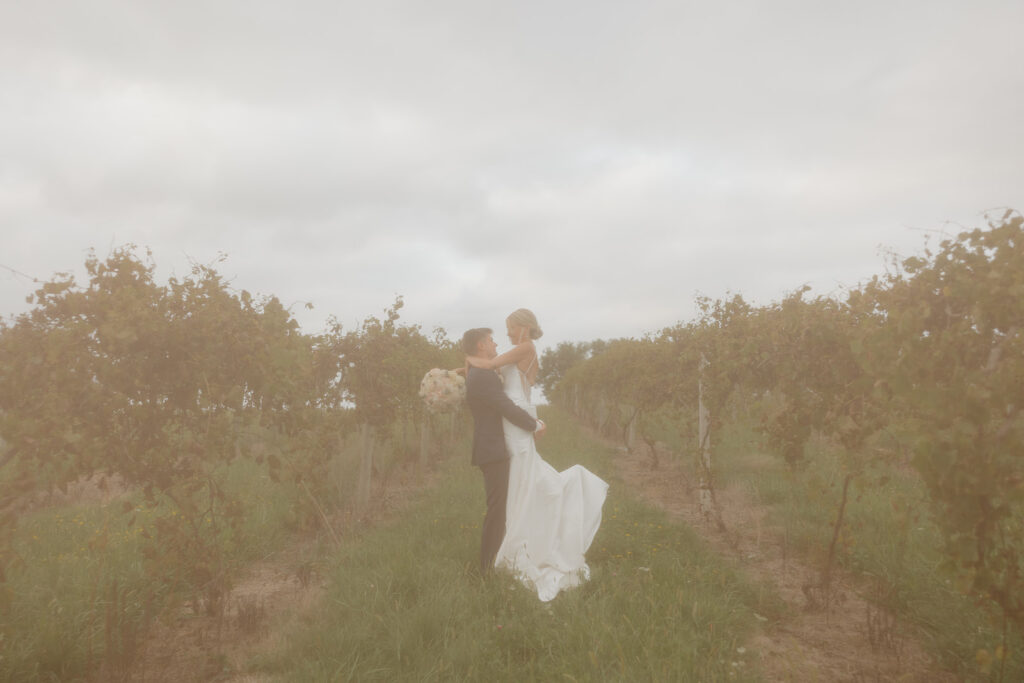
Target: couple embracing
x=539, y=521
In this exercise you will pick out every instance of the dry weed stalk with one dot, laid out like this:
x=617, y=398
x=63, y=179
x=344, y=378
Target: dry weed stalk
x=251, y=614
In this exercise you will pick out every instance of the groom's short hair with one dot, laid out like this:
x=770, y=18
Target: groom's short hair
x=472, y=338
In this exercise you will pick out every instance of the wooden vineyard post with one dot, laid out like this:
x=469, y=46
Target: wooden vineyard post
x=365, y=468
x=631, y=431
x=704, y=441
x=424, y=442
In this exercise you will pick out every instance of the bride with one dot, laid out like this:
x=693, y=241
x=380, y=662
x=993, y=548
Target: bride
x=551, y=516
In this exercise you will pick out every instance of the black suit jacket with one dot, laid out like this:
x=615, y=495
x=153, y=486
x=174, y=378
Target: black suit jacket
x=488, y=403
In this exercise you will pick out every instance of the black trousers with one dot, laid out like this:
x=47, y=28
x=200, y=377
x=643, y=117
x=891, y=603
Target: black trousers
x=493, y=533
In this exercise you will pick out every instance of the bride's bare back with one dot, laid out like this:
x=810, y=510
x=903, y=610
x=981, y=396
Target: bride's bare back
x=530, y=368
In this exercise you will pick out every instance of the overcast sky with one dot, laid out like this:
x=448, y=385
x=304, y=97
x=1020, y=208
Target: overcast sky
x=598, y=162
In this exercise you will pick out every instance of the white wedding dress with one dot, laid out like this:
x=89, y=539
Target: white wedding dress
x=551, y=516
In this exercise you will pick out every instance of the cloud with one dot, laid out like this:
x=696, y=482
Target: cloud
x=599, y=163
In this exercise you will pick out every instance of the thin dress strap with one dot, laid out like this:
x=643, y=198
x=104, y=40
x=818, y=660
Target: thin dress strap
x=522, y=377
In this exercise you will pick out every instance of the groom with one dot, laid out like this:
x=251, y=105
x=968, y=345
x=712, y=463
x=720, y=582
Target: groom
x=488, y=403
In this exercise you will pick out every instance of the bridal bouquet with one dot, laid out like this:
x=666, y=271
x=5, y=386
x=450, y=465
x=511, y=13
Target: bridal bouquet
x=442, y=390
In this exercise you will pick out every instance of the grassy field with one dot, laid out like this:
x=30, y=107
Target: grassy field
x=406, y=601
x=890, y=539
x=78, y=595
x=79, y=591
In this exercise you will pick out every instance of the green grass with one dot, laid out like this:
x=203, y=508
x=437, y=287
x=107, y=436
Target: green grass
x=70, y=557
x=406, y=601
x=76, y=569
x=53, y=626
x=880, y=542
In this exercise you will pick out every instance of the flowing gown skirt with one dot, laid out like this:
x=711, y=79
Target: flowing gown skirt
x=551, y=517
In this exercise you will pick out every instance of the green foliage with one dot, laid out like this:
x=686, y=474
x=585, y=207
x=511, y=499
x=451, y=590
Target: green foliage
x=889, y=540
x=167, y=387
x=153, y=383
x=955, y=339
x=937, y=344
x=382, y=363
x=554, y=363
x=625, y=372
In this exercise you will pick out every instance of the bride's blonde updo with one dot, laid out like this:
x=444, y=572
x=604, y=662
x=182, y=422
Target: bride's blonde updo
x=524, y=317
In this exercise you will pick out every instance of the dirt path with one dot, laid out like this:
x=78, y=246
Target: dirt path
x=270, y=596
x=809, y=644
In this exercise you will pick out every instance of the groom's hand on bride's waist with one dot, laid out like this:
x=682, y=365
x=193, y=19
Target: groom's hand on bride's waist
x=541, y=428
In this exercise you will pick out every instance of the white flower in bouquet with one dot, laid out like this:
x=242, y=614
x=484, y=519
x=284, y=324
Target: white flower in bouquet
x=442, y=390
